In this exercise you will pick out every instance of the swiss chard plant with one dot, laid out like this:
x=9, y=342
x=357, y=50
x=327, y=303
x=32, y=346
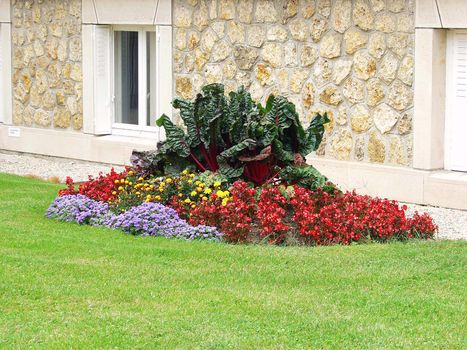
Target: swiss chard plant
x=234, y=136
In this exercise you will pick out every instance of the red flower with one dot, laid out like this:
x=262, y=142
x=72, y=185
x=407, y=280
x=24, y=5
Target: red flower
x=99, y=189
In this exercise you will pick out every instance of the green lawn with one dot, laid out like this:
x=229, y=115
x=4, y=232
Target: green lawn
x=69, y=286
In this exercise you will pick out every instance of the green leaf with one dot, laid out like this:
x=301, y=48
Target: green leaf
x=314, y=135
x=235, y=150
x=306, y=176
x=281, y=153
x=175, y=136
x=230, y=172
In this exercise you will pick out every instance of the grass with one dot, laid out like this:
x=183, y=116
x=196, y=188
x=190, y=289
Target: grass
x=69, y=286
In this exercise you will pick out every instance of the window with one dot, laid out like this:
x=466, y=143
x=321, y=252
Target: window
x=127, y=79
x=135, y=77
x=456, y=101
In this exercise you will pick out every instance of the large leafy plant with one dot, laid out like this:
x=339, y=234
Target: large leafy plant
x=234, y=136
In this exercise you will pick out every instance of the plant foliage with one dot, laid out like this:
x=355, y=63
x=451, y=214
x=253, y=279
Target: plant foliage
x=234, y=136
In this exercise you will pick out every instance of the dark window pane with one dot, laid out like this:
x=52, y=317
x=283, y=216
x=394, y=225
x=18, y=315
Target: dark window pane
x=126, y=77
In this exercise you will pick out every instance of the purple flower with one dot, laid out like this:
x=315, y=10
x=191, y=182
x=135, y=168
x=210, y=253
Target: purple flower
x=154, y=219
x=78, y=208
x=147, y=219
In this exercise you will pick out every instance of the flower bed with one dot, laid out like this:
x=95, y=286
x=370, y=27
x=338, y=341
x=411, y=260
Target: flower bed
x=251, y=183
x=206, y=206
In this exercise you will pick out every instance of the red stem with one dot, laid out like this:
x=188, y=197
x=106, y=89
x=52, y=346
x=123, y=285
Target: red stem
x=197, y=161
x=206, y=156
x=213, y=153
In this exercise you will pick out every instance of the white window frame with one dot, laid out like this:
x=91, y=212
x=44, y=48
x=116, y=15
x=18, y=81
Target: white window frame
x=141, y=129
x=98, y=81
x=449, y=152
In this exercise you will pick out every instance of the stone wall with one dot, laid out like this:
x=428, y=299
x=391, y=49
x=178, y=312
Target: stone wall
x=46, y=50
x=352, y=58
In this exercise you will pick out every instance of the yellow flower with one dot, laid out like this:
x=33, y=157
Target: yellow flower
x=116, y=181
x=168, y=180
x=208, y=191
x=224, y=202
x=192, y=175
x=114, y=193
x=217, y=184
x=189, y=181
x=162, y=183
x=122, y=181
x=188, y=200
x=193, y=206
x=158, y=198
x=193, y=193
x=120, y=188
x=184, y=172
x=148, y=196
x=151, y=187
x=138, y=193
x=126, y=182
x=199, y=189
x=130, y=172
x=180, y=194
x=220, y=194
x=140, y=179
x=130, y=183
x=197, y=182
x=226, y=193
x=204, y=198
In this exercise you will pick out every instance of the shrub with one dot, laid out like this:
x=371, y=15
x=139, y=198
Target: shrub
x=234, y=136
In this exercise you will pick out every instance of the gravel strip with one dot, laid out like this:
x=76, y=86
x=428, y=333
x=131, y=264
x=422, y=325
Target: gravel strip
x=452, y=223
x=50, y=167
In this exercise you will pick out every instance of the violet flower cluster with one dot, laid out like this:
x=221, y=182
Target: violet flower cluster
x=155, y=219
x=80, y=209
x=147, y=219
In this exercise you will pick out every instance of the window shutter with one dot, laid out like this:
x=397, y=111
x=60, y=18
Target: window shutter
x=164, y=71
x=5, y=74
x=97, y=103
x=456, y=116
x=102, y=81
x=2, y=98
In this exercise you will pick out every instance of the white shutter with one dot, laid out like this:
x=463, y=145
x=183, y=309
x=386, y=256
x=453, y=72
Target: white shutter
x=5, y=74
x=164, y=73
x=2, y=94
x=102, y=81
x=456, y=102
x=97, y=103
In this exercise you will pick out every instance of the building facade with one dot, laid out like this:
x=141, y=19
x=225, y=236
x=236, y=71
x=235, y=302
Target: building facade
x=86, y=79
